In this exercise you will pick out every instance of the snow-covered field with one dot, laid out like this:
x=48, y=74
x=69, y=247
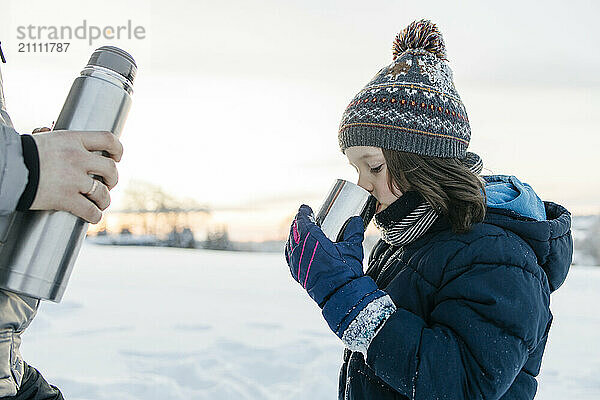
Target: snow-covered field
x=158, y=323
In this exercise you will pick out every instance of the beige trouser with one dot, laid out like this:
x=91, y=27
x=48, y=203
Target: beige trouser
x=16, y=313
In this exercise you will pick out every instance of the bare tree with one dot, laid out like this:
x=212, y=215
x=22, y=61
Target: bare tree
x=142, y=195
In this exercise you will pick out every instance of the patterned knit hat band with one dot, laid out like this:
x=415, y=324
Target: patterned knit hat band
x=410, y=105
x=395, y=138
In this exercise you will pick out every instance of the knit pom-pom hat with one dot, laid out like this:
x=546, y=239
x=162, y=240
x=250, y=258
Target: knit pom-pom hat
x=410, y=105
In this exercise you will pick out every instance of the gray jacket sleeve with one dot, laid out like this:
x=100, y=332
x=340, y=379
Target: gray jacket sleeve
x=13, y=172
x=16, y=311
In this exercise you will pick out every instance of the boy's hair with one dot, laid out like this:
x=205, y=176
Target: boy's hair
x=446, y=184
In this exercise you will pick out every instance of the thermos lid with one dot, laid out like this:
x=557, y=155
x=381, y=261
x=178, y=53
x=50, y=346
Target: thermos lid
x=116, y=60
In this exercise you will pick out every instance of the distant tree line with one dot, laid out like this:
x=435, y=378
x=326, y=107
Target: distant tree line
x=590, y=245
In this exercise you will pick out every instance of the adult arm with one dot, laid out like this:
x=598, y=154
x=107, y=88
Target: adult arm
x=13, y=171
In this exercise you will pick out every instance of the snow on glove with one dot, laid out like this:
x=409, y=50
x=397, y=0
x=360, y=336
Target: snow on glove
x=332, y=274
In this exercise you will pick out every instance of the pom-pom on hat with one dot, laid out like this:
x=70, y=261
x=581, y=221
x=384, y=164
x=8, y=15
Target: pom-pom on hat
x=420, y=35
x=410, y=105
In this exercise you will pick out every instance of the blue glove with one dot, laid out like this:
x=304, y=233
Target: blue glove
x=331, y=273
x=318, y=264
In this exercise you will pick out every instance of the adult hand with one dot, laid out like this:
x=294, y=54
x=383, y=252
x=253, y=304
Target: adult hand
x=40, y=130
x=66, y=163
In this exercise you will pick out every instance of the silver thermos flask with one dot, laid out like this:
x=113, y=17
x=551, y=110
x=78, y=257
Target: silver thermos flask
x=40, y=247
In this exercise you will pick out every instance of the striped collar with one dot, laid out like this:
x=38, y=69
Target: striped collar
x=406, y=219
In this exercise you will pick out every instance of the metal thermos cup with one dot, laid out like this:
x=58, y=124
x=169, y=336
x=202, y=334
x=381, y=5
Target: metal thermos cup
x=39, y=250
x=345, y=200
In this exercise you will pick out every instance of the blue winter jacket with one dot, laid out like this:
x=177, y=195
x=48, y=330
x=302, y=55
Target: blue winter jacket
x=473, y=312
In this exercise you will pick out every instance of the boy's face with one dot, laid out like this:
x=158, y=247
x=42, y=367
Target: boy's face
x=372, y=174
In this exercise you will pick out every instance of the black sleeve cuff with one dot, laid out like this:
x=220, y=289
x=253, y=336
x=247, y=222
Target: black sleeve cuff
x=32, y=162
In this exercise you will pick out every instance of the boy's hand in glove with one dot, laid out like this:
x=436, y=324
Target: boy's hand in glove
x=318, y=264
x=332, y=274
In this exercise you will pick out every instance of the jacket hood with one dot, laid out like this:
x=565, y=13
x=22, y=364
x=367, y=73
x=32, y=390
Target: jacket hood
x=544, y=225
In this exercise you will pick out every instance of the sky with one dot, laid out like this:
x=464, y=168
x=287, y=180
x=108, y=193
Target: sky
x=237, y=103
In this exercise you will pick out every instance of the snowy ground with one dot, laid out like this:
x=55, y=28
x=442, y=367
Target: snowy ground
x=157, y=323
